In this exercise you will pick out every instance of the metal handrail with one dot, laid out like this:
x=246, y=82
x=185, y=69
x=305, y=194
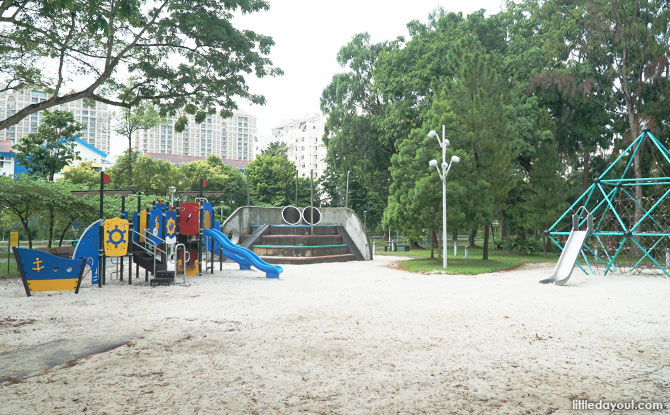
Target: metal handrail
x=147, y=237
x=184, y=260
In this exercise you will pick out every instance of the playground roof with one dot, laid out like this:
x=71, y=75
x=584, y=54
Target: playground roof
x=179, y=159
x=5, y=147
x=108, y=192
x=196, y=193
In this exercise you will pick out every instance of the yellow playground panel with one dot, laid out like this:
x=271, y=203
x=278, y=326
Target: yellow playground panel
x=116, y=237
x=143, y=224
x=191, y=269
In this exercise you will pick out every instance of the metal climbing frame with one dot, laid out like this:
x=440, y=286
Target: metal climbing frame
x=631, y=231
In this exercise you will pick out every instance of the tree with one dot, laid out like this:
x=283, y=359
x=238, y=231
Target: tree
x=68, y=208
x=22, y=197
x=52, y=147
x=272, y=180
x=220, y=177
x=478, y=96
x=181, y=53
x=276, y=148
x=415, y=195
x=625, y=45
x=141, y=117
x=353, y=137
x=151, y=177
x=83, y=175
x=48, y=150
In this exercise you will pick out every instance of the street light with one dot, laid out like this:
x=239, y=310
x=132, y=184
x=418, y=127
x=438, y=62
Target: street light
x=172, y=189
x=444, y=143
x=346, y=194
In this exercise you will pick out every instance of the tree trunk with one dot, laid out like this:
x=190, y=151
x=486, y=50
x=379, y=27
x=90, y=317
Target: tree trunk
x=130, y=160
x=471, y=239
x=586, y=179
x=432, y=243
x=485, y=255
x=62, y=235
x=439, y=246
x=26, y=229
x=51, y=226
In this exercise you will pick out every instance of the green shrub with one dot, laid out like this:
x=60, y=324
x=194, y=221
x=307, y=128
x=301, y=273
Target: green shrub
x=521, y=245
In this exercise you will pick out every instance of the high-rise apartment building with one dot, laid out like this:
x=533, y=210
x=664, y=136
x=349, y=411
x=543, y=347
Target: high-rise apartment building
x=303, y=137
x=95, y=116
x=229, y=138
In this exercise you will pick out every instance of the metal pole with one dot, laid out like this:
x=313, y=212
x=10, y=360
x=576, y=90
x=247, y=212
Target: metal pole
x=346, y=194
x=101, y=258
x=444, y=200
x=311, y=202
x=123, y=208
x=296, y=187
x=444, y=220
x=667, y=258
x=365, y=220
x=455, y=250
x=248, y=193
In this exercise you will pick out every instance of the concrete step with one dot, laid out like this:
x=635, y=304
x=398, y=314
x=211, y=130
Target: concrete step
x=299, y=229
x=308, y=260
x=300, y=250
x=301, y=240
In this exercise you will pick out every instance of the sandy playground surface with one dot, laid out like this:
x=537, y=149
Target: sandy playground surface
x=347, y=338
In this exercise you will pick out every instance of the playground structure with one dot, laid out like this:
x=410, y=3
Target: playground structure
x=627, y=217
x=165, y=241
x=291, y=235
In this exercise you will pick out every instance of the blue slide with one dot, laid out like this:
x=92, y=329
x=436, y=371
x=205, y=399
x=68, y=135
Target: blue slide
x=241, y=255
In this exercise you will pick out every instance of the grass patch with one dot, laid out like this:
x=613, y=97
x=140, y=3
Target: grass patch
x=498, y=261
x=13, y=270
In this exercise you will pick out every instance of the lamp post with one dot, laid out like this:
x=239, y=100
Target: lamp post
x=444, y=143
x=346, y=193
x=365, y=220
x=172, y=189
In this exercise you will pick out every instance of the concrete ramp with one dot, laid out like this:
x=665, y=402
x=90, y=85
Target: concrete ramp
x=33, y=360
x=566, y=263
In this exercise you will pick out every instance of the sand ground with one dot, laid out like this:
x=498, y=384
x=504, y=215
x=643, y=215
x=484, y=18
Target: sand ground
x=347, y=338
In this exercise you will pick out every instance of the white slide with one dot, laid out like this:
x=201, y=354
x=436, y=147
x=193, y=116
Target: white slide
x=566, y=263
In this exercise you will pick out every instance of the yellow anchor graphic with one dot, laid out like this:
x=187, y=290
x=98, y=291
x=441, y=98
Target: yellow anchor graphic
x=37, y=263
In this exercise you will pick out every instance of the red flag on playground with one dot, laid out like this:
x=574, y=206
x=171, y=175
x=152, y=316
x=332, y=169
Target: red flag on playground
x=105, y=178
x=204, y=182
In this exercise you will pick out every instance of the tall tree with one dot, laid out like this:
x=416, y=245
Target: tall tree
x=626, y=45
x=52, y=147
x=352, y=135
x=272, y=180
x=181, y=53
x=220, y=177
x=276, y=148
x=479, y=97
x=131, y=120
x=152, y=177
x=22, y=197
x=82, y=175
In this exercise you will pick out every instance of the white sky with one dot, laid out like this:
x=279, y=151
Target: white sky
x=308, y=35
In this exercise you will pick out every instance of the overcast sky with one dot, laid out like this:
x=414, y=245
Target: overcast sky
x=309, y=33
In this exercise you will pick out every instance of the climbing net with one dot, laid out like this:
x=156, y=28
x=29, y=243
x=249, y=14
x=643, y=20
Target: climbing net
x=631, y=215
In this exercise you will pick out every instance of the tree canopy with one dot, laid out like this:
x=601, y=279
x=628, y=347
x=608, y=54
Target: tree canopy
x=180, y=54
x=535, y=100
x=52, y=147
